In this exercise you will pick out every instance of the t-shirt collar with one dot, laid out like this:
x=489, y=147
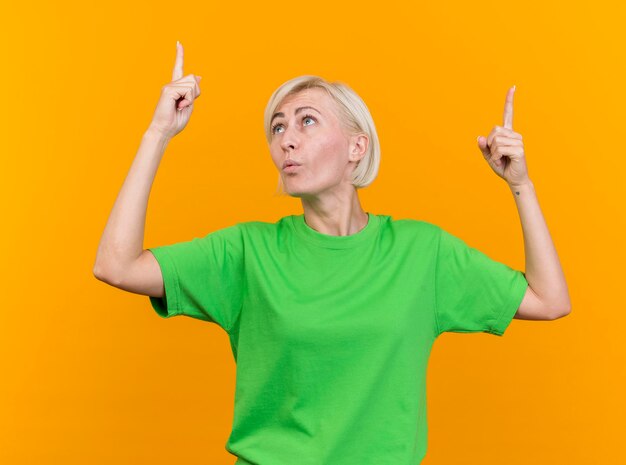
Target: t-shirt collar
x=336, y=242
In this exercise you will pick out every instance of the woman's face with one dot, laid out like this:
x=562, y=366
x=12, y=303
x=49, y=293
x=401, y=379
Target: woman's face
x=314, y=138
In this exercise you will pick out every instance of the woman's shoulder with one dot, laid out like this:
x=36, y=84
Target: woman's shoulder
x=264, y=227
x=409, y=224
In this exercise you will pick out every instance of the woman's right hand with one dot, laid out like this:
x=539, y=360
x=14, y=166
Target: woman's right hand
x=176, y=102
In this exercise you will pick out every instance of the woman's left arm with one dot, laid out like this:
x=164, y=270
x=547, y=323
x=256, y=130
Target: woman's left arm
x=547, y=297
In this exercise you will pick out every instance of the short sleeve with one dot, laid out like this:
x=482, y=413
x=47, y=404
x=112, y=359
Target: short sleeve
x=474, y=293
x=203, y=278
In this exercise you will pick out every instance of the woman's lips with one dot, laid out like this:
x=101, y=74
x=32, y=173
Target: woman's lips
x=290, y=168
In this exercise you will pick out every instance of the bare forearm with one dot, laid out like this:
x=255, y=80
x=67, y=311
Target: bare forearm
x=543, y=268
x=122, y=239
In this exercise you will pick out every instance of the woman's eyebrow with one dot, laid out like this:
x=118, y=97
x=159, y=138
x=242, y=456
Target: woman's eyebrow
x=280, y=113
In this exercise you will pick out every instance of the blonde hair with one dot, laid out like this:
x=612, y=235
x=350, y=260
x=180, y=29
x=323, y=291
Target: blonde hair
x=353, y=114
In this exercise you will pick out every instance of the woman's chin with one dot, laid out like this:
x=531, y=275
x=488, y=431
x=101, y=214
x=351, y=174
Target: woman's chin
x=292, y=190
x=294, y=193
x=297, y=193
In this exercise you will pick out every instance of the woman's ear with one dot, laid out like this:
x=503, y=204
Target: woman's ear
x=358, y=147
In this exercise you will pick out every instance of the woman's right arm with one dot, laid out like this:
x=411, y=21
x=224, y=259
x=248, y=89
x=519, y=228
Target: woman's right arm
x=121, y=260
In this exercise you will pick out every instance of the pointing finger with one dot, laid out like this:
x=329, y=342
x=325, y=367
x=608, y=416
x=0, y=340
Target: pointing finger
x=178, y=65
x=508, y=109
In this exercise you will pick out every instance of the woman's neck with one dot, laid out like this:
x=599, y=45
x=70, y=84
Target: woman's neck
x=335, y=215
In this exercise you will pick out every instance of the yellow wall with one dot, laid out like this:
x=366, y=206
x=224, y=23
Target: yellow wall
x=90, y=373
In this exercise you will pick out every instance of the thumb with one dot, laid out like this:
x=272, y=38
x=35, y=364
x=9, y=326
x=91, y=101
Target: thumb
x=482, y=145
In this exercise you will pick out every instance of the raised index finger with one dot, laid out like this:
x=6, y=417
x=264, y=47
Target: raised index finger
x=178, y=65
x=508, y=109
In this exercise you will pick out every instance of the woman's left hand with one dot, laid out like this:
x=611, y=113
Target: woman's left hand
x=503, y=148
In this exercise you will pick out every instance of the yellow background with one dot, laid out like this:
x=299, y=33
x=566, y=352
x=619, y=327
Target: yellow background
x=91, y=374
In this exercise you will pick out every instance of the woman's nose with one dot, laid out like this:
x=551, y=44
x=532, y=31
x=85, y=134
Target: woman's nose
x=289, y=139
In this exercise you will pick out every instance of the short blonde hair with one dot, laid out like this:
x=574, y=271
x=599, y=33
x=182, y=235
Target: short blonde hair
x=353, y=113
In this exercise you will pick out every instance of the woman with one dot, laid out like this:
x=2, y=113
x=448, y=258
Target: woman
x=331, y=314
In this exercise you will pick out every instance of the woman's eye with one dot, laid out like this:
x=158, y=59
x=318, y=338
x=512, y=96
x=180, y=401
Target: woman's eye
x=306, y=117
x=278, y=125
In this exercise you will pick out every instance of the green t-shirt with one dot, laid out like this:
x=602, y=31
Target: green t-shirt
x=331, y=334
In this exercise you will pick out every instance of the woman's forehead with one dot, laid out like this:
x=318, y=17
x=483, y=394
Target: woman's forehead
x=310, y=97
